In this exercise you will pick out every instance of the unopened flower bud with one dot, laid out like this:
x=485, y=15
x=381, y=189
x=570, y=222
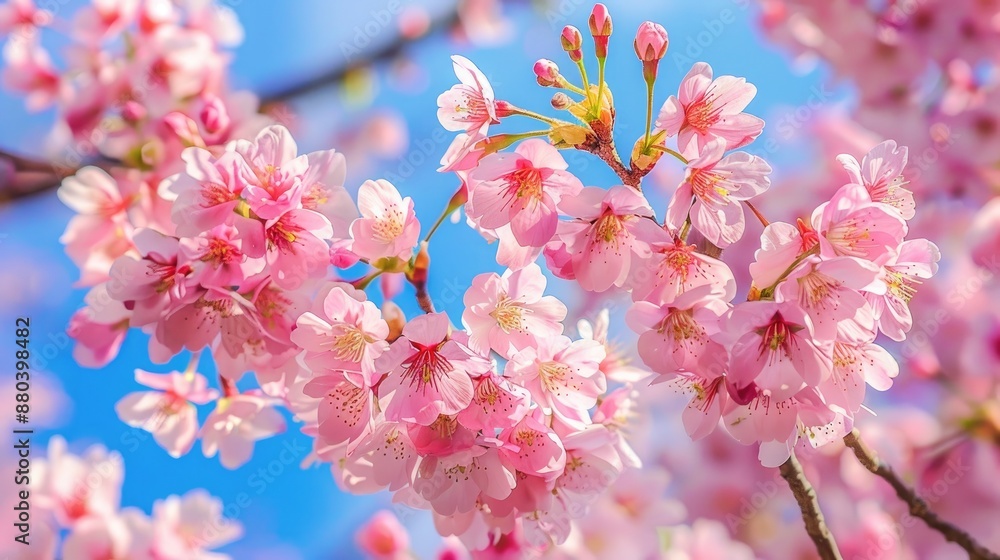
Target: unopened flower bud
x=561, y=101
x=600, y=29
x=572, y=42
x=546, y=72
x=214, y=115
x=650, y=46
x=133, y=111
x=651, y=42
x=395, y=318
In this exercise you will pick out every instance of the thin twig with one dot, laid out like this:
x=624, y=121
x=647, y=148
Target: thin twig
x=791, y=471
x=918, y=507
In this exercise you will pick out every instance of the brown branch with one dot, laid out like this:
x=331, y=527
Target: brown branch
x=791, y=471
x=602, y=145
x=918, y=507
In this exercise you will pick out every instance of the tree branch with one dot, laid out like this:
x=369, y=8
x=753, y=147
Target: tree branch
x=791, y=471
x=918, y=507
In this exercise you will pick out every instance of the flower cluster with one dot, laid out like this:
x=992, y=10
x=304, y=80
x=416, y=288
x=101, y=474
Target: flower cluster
x=793, y=360
x=77, y=499
x=500, y=420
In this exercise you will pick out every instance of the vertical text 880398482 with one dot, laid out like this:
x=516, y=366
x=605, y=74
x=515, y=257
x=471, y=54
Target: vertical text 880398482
x=22, y=433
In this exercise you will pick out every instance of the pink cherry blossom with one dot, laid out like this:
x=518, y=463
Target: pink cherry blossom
x=99, y=328
x=851, y=225
x=508, y=313
x=235, y=424
x=21, y=13
x=28, y=69
x=611, y=232
x=650, y=41
x=522, y=189
x=497, y=403
x=429, y=373
x=125, y=535
x=707, y=109
x=774, y=346
x=533, y=448
x=189, y=526
x=984, y=235
x=830, y=292
x=617, y=363
x=676, y=336
x=73, y=487
x=157, y=280
x=562, y=374
x=168, y=412
x=916, y=261
x=857, y=362
x=208, y=192
x=470, y=106
x=780, y=245
x=345, y=409
x=347, y=335
x=674, y=268
x=388, y=228
x=718, y=184
x=383, y=537
x=881, y=173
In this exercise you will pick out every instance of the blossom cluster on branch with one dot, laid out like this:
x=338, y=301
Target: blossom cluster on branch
x=216, y=237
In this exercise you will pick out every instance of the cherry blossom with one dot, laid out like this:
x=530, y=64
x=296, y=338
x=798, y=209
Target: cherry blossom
x=508, y=313
x=168, y=412
x=706, y=109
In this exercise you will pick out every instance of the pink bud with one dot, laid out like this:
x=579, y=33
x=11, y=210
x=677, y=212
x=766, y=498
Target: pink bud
x=651, y=42
x=504, y=109
x=341, y=255
x=214, y=115
x=572, y=42
x=133, y=111
x=600, y=21
x=383, y=536
x=600, y=28
x=546, y=72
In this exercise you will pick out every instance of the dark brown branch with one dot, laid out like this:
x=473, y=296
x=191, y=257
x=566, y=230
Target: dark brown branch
x=918, y=507
x=602, y=145
x=791, y=471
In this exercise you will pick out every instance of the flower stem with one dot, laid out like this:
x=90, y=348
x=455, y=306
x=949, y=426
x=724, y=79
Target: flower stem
x=667, y=150
x=649, y=113
x=436, y=225
x=600, y=85
x=534, y=115
x=918, y=507
x=586, y=83
x=805, y=496
x=757, y=213
x=363, y=282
